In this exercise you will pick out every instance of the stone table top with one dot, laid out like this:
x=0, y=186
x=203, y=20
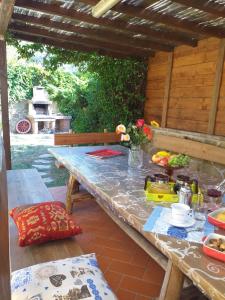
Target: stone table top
x=122, y=187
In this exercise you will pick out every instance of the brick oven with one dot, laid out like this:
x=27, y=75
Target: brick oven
x=43, y=115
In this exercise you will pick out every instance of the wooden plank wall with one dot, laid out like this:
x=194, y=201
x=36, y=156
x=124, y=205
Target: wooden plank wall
x=191, y=88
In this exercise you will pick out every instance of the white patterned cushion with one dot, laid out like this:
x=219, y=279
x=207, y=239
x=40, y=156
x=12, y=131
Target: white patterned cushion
x=67, y=279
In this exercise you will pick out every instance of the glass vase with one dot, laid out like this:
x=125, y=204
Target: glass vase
x=135, y=157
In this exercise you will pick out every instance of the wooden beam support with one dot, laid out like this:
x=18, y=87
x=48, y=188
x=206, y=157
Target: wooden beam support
x=172, y=284
x=216, y=88
x=4, y=103
x=98, y=34
x=167, y=89
x=6, y=9
x=153, y=15
x=71, y=46
x=117, y=24
x=102, y=7
x=212, y=7
x=79, y=40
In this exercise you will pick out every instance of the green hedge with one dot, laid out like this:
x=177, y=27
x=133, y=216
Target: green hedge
x=104, y=92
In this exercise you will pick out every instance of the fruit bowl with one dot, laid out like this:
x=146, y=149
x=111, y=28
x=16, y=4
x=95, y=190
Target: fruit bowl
x=170, y=160
x=217, y=218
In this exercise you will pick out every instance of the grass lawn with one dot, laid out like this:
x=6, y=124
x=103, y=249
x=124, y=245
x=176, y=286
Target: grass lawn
x=24, y=156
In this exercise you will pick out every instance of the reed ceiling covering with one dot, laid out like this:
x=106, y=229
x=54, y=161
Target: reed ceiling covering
x=132, y=28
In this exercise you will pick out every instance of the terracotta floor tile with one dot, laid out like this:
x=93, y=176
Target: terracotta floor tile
x=104, y=262
x=115, y=244
x=114, y=279
x=140, y=258
x=140, y=286
x=153, y=272
x=125, y=295
x=140, y=297
x=126, y=268
x=91, y=248
x=116, y=254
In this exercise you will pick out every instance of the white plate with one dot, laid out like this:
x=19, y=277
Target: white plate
x=188, y=222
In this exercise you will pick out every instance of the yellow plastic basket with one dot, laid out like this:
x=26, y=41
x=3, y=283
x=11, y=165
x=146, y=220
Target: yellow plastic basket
x=172, y=198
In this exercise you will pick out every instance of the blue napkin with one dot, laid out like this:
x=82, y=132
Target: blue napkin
x=158, y=222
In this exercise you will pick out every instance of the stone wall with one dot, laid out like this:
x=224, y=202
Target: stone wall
x=17, y=111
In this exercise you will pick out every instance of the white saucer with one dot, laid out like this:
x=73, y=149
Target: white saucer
x=188, y=222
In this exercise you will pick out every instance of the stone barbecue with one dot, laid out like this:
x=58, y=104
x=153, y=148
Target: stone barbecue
x=43, y=115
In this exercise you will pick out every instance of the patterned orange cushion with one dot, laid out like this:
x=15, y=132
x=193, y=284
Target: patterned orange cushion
x=43, y=222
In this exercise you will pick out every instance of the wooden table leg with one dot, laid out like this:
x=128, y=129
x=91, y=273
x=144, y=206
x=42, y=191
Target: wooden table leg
x=72, y=187
x=172, y=284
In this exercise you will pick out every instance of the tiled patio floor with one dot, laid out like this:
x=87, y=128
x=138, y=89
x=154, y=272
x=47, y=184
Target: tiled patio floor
x=131, y=273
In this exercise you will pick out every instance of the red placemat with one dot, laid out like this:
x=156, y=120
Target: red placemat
x=104, y=153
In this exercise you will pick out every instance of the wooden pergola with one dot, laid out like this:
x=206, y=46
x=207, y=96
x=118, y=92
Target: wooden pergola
x=135, y=29
x=131, y=29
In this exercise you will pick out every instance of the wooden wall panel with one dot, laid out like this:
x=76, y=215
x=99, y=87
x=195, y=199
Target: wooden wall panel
x=157, y=72
x=220, y=120
x=191, y=88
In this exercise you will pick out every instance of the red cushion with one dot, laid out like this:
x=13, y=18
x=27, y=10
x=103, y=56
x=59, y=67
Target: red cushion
x=43, y=222
x=15, y=211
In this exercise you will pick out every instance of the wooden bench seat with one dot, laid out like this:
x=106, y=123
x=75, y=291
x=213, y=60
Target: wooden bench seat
x=26, y=187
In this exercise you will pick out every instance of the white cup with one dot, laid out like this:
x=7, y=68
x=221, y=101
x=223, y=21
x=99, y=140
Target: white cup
x=180, y=211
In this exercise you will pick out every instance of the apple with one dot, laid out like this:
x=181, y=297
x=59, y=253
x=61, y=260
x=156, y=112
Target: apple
x=163, y=162
x=156, y=159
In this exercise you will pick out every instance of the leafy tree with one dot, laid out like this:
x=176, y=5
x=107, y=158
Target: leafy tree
x=104, y=92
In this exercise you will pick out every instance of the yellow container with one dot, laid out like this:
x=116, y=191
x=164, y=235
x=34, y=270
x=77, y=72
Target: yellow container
x=161, y=197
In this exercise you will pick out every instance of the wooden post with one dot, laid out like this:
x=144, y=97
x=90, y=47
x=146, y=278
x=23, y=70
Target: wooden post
x=6, y=9
x=4, y=103
x=72, y=188
x=172, y=284
x=4, y=236
x=167, y=90
x=216, y=88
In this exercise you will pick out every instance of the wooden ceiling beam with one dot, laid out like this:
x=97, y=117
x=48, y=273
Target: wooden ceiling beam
x=6, y=9
x=79, y=40
x=169, y=20
x=117, y=24
x=211, y=7
x=98, y=34
x=69, y=46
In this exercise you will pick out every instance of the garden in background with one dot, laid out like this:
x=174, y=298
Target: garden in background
x=98, y=92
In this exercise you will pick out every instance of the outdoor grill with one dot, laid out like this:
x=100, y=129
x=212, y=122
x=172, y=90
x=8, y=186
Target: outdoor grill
x=42, y=115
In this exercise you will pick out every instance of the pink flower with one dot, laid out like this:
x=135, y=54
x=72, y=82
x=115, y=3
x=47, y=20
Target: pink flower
x=140, y=123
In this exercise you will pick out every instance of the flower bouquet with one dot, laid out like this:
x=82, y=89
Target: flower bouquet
x=134, y=136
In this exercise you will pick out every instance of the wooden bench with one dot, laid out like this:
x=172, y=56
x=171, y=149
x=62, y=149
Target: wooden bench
x=71, y=139
x=26, y=187
x=86, y=138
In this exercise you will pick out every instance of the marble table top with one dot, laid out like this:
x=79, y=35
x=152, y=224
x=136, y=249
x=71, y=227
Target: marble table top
x=122, y=187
